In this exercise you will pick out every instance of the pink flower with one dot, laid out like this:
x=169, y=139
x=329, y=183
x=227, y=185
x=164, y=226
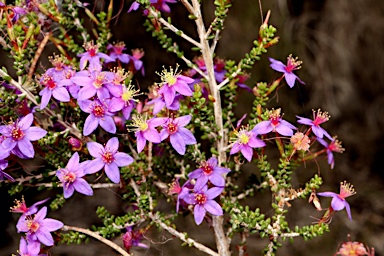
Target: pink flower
x=245, y=142
x=287, y=70
x=274, y=124
x=318, y=118
x=146, y=130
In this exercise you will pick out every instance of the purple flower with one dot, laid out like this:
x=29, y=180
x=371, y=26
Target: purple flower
x=20, y=133
x=338, y=202
x=17, y=12
x=108, y=158
x=287, y=70
x=38, y=228
x=318, y=118
x=146, y=130
x=133, y=238
x=71, y=177
x=93, y=84
x=209, y=170
x=59, y=70
x=162, y=5
x=246, y=140
x=116, y=53
x=92, y=55
x=159, y=103
x=179, y=136
x=21, y=207
x=4, y=175
x=52, y=88
x=181, y=191
x=173, y=83
x=30, y=248
x=334, y=146
x=99, y=115
x=203, y=201
x=274, y=124
x=124, y=100
x=137, y=54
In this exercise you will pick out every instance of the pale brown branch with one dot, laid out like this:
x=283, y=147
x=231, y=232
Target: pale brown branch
x=98, y=237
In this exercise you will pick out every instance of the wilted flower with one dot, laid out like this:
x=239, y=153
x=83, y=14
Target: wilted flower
x=287, y=70
x=21, y=207
x=179, y=136
x=352, y=249
x=338, y=202
x=209, y=170
x=181, y=191
x=116, y=53
x=133, y=238
x=300, y=141
x=38, y=228
x=3, y=165
x=71, y=177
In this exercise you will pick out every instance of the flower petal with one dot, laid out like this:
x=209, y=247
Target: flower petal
x=213, y=208
x=112, y=172
x=123, y=159
x=82, y=187
x=199, y=213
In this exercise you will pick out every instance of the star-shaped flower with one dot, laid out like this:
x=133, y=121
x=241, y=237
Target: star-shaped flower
x=287, y=70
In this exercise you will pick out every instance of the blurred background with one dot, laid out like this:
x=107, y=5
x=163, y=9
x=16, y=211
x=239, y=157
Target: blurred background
x=341, y=46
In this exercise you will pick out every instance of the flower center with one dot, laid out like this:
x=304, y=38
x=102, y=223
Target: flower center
x=170, y=79
x=207, y=169
x=346, y=190
x=140, y=123
x=172, y=128
x=200, y=198
x=108, y=157
x=321, y=117
x=99, y=80
x=243, y=137
x=69, y=177
x=17, y=133
x=292, y=64
x=98, y=110
x=33, y=226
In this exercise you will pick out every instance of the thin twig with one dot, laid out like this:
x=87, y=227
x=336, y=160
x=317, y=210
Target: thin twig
x=189, y=7
x=98, y=237
x=96, y=185
x=174, y=29
x=40, y=49
x=183, y=236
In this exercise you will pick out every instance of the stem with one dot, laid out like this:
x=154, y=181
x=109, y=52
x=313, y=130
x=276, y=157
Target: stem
x=217, y=221
x=98, y=237
x=183, y=236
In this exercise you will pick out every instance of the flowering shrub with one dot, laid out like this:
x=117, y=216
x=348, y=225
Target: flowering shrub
x=86, y=117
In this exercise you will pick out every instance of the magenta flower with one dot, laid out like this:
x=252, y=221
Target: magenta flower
x=93, y=84
x=52, y=88
x=338, y=202
x=162, y=5
x=146, y=130
x=92, y=55
x=99, y=115
x=179, y=136
x=333, y=146
x=4, y=175
x=133, y=238
x=137, y=54
x=203, y=201
x=124, y=100
x=287, y=70
x=21, y=207
x=159, y=103
x=246, y=140
x=20, y=134
x=173, y=83
x=116, y=53
x=71, y=177
x=30, y=248
x=38, y=228
x=181, y=191
x=209, y=170
x=108, y=158
x=318, y=118
x=274, y=124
